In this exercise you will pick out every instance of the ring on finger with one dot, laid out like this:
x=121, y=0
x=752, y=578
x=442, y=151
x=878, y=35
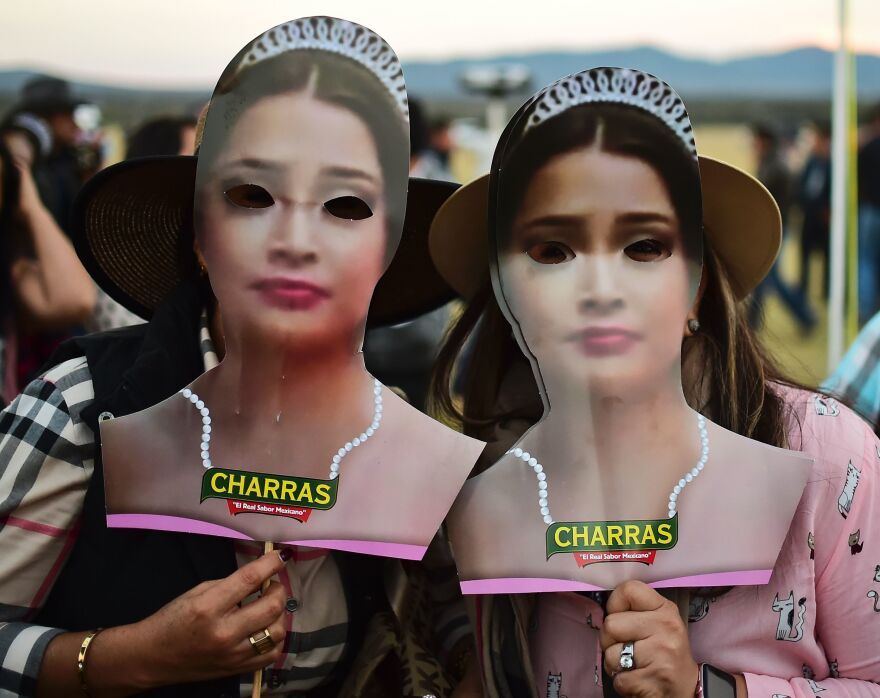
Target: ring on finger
x=262, y=642
x=627, y=660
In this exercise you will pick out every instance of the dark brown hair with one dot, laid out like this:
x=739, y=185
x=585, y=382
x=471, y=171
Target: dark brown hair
x=616, y=129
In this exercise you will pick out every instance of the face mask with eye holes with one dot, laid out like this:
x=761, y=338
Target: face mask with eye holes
x=253, y=196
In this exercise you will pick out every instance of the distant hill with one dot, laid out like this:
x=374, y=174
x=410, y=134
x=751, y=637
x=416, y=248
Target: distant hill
x=802, y=73
x=787, y=87
x=12, y=80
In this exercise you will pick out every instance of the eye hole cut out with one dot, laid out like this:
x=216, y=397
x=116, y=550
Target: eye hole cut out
x=550, y=252
x=647, y=251
x=349, y=208
x=249, y=196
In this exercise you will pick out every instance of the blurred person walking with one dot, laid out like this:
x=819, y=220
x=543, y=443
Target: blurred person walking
x=425, y=162
x=441, y=139
x=42, y=283
x=165, y=135
x=773, y=173
x=869, y=217
x=814, y=198
x=52, y=100
x=29, y=140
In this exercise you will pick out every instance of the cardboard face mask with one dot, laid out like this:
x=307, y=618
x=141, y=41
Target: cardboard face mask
x=596, y=249
x=300, y=194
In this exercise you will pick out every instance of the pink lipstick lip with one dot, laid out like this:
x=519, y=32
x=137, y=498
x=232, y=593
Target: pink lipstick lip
x=290, y=293
x=284, y=283
x=605, y=341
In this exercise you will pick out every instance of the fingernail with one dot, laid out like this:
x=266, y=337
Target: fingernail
x=285, y=554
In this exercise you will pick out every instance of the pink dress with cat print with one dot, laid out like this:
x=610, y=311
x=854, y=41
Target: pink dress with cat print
x=814, y=630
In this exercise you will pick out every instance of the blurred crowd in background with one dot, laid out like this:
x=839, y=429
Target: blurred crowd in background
x=52, y=141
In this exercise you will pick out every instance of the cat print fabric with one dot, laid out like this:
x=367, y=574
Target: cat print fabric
x=814, y=629
x=855, y=543
x=815, y=687
x=844, y=502
x=826, y=406
x=698, y=608
x=554, y=686
x=787, y=628
x=574, y=669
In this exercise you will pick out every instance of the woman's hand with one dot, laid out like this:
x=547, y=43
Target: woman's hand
x=200, y=635
x=664, y=666
x=52, y=289
x=203, y=634
x=29, y=201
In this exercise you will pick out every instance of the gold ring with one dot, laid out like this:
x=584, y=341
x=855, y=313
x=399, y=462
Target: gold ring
x=262, y=644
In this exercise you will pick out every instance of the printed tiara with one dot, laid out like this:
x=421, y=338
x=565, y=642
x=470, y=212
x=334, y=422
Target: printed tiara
x=336, y=36
x=615, y=86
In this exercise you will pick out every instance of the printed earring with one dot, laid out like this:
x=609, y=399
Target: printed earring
x=693, y=325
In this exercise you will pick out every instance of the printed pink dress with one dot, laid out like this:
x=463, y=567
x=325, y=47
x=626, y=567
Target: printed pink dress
x=814, y=630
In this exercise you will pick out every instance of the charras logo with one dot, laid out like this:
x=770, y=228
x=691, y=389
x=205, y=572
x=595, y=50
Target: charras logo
x=263, y=493
x=612, y=541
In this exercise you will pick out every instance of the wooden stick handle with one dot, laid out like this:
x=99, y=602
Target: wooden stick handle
x=257, y=691
x=682, y=599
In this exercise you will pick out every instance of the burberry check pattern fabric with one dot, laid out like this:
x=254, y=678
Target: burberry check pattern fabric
x=46, y=461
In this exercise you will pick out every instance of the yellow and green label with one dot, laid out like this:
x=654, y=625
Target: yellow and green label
x=265, y=493
x=612, y=541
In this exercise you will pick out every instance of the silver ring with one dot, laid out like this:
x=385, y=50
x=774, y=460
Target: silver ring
x=627, y=657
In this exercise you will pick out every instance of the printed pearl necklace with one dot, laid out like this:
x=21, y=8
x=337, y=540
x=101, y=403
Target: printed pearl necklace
x=205, y=444
x=544, y=488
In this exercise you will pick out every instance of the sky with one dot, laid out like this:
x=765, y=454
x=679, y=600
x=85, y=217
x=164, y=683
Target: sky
x=187, y=43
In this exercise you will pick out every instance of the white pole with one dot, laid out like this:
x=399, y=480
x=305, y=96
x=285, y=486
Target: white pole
x=839, y=171
x=496, y=117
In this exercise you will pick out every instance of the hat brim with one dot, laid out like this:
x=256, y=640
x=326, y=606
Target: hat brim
x=132, y=228
x=740, y=218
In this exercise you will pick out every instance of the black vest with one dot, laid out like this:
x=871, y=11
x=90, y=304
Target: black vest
x=120, y=576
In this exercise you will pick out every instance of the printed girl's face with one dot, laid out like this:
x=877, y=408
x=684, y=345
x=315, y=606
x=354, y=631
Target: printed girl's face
x=292, y=222
x=595, y=273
